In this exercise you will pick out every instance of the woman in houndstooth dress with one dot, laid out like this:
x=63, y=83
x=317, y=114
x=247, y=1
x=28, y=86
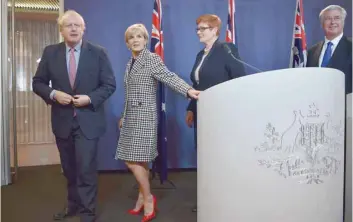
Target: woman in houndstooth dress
x=137, y=144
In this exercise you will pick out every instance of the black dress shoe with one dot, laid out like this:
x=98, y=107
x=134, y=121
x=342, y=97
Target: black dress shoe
x=87, y=218
x=67, y=212
x=194, y=209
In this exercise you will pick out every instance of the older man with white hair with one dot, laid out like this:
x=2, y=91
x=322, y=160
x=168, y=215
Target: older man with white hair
x=335, y=51
x=82, y=79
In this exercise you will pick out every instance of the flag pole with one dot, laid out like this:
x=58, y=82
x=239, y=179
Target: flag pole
x=293, y=36
x=160, y=163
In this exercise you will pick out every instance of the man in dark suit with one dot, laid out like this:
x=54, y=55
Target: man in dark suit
x=81, y=79
x=336, y=50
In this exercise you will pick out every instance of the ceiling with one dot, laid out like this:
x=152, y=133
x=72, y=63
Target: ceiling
x=36, y=5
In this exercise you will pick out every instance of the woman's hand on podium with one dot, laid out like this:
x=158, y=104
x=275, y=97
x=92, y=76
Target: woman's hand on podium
x=189, y=118
x=194, y=94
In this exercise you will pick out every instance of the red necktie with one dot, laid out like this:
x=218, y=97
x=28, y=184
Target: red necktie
x=72, y=67
x=72, y=70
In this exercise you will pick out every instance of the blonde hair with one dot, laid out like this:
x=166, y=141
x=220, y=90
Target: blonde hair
x=136, y=28
x=68, y=13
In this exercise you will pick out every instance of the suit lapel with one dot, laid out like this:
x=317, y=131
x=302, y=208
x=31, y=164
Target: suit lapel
x=138, y=64
x=127, y=70
x=62, y=64
x=215, y=44
x=338, y=51
x=84, y=54
x=317, y=53
x=197, y=62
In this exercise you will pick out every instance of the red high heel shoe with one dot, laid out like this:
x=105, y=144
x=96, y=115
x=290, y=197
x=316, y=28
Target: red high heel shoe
x=135, y=212
x=152, y=215
x=138, y=211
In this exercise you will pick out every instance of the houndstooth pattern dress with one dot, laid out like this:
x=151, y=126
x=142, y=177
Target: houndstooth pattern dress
x=138, y=135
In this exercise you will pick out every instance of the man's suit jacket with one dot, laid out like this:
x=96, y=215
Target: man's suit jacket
x=218, y=66
x=341, y=59
x=94, y=78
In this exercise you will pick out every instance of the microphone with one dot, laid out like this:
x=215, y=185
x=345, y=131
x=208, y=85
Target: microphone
x=230, y=52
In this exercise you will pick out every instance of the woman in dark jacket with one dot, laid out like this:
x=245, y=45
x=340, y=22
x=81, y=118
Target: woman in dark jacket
x=214, y=64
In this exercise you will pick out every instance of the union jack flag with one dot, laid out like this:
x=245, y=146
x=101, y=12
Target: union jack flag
x=157, y=31
x=160, y=165
x=230, y=32
x=298, y=54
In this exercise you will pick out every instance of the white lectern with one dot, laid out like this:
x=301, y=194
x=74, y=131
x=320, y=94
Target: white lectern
x=271, y=148
x=349, y=157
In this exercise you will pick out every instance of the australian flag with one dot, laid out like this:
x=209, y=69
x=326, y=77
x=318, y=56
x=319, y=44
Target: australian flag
x=298, y=54
x=230, y=32
x=160, y=165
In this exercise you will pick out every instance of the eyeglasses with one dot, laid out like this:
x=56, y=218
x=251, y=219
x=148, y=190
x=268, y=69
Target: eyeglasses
x=202, y=29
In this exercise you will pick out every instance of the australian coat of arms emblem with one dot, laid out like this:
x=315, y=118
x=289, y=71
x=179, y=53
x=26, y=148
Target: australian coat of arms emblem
x=308, y=150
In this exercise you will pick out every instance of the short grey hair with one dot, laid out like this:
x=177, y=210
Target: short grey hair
x=332, y=7
x=135, y=28
x=68, y=13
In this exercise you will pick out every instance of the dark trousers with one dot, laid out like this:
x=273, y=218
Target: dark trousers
x=78, y=157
